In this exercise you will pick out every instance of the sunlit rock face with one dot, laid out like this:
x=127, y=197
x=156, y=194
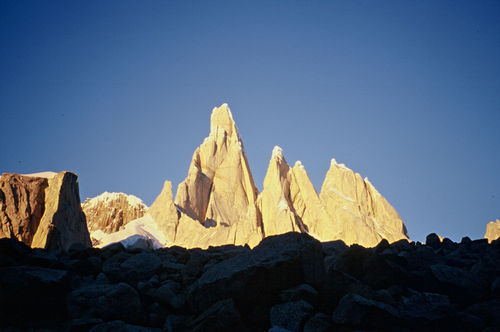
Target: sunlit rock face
x=492, y=230
x=357, y=209
x=289, y=201
x=43, y=210
x=63, y=223
x=164, y=212
x=109, y=212
x=276, y=206
x=217, y=199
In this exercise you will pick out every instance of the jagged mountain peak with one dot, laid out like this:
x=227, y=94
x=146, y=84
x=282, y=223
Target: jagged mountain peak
x=222, y=119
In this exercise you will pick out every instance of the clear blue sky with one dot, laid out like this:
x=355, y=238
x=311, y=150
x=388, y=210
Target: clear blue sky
x=406, y=93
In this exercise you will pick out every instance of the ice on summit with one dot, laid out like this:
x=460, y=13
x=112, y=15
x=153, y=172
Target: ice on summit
x=277, y=151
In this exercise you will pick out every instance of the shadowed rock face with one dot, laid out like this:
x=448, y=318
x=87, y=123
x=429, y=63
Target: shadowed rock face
x=43, y=212
x=288, y=282
x=21, y=205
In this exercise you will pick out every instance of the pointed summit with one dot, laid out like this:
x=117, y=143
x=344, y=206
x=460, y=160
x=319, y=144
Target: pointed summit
x=217, y=199
x=278, y=214
x=222, y=119
x=357, y=209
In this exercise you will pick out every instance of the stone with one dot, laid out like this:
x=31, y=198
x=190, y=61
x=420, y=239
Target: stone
x=301, y=292
x=433, y=240
x=492, y=231
x=109, y=302
x=217, y=200
x=291, y=315
x=355, y=310
x=221, y=316
x=320, y=322
x=357, y=211
x=487, y=311
x=164, y=212
x=32, y=294
x=118, y=325
x=428, y=306
x=277, y=263
x=110, y=212
x=140, y=266
x=460, y=284
x=63, y=223
x=169, y=293
x=22, y=203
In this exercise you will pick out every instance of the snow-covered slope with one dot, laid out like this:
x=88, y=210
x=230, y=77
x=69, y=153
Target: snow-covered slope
x=134, y=234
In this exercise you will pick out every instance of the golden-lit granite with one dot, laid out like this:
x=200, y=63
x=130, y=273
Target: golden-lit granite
x=357, y=208
x=63, y=223
x=164, y=212
x=217, y=199
x=492, y=230
x=110, y=212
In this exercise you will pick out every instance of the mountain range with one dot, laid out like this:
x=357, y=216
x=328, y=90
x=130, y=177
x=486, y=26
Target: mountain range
x=217, y=204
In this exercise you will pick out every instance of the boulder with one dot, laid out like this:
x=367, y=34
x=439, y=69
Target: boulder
x=108, y=302
x=140, y=266
x=356, y=311
x=31, y=294
x=320, y=322
x=277, y=263
x=291, y=315
x=118, y=325
x=220, y=316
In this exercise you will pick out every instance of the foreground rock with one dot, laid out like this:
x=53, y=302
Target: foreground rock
x=289, y=282
x=43, y=210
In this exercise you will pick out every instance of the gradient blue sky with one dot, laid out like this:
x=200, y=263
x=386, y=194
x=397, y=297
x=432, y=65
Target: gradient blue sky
x=406, y=93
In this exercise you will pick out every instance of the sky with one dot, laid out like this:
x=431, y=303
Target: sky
x=407, y=93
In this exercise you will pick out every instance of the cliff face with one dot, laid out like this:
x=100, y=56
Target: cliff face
x=21, y=205
x=109, y=212
x=217, y=199
x=218, y=202
x=164, y=212
x=276, y=201
x=63, y=223
x=43, y=210
x=357, y=209
x=492, y=230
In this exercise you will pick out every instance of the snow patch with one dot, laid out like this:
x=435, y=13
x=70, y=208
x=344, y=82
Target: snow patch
x=336, y=191
x=107, y=197
x=283, y=205
x=145, y=227
x=47, y=175
x=333, y=162
x=277, y=151
x=298, y=163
